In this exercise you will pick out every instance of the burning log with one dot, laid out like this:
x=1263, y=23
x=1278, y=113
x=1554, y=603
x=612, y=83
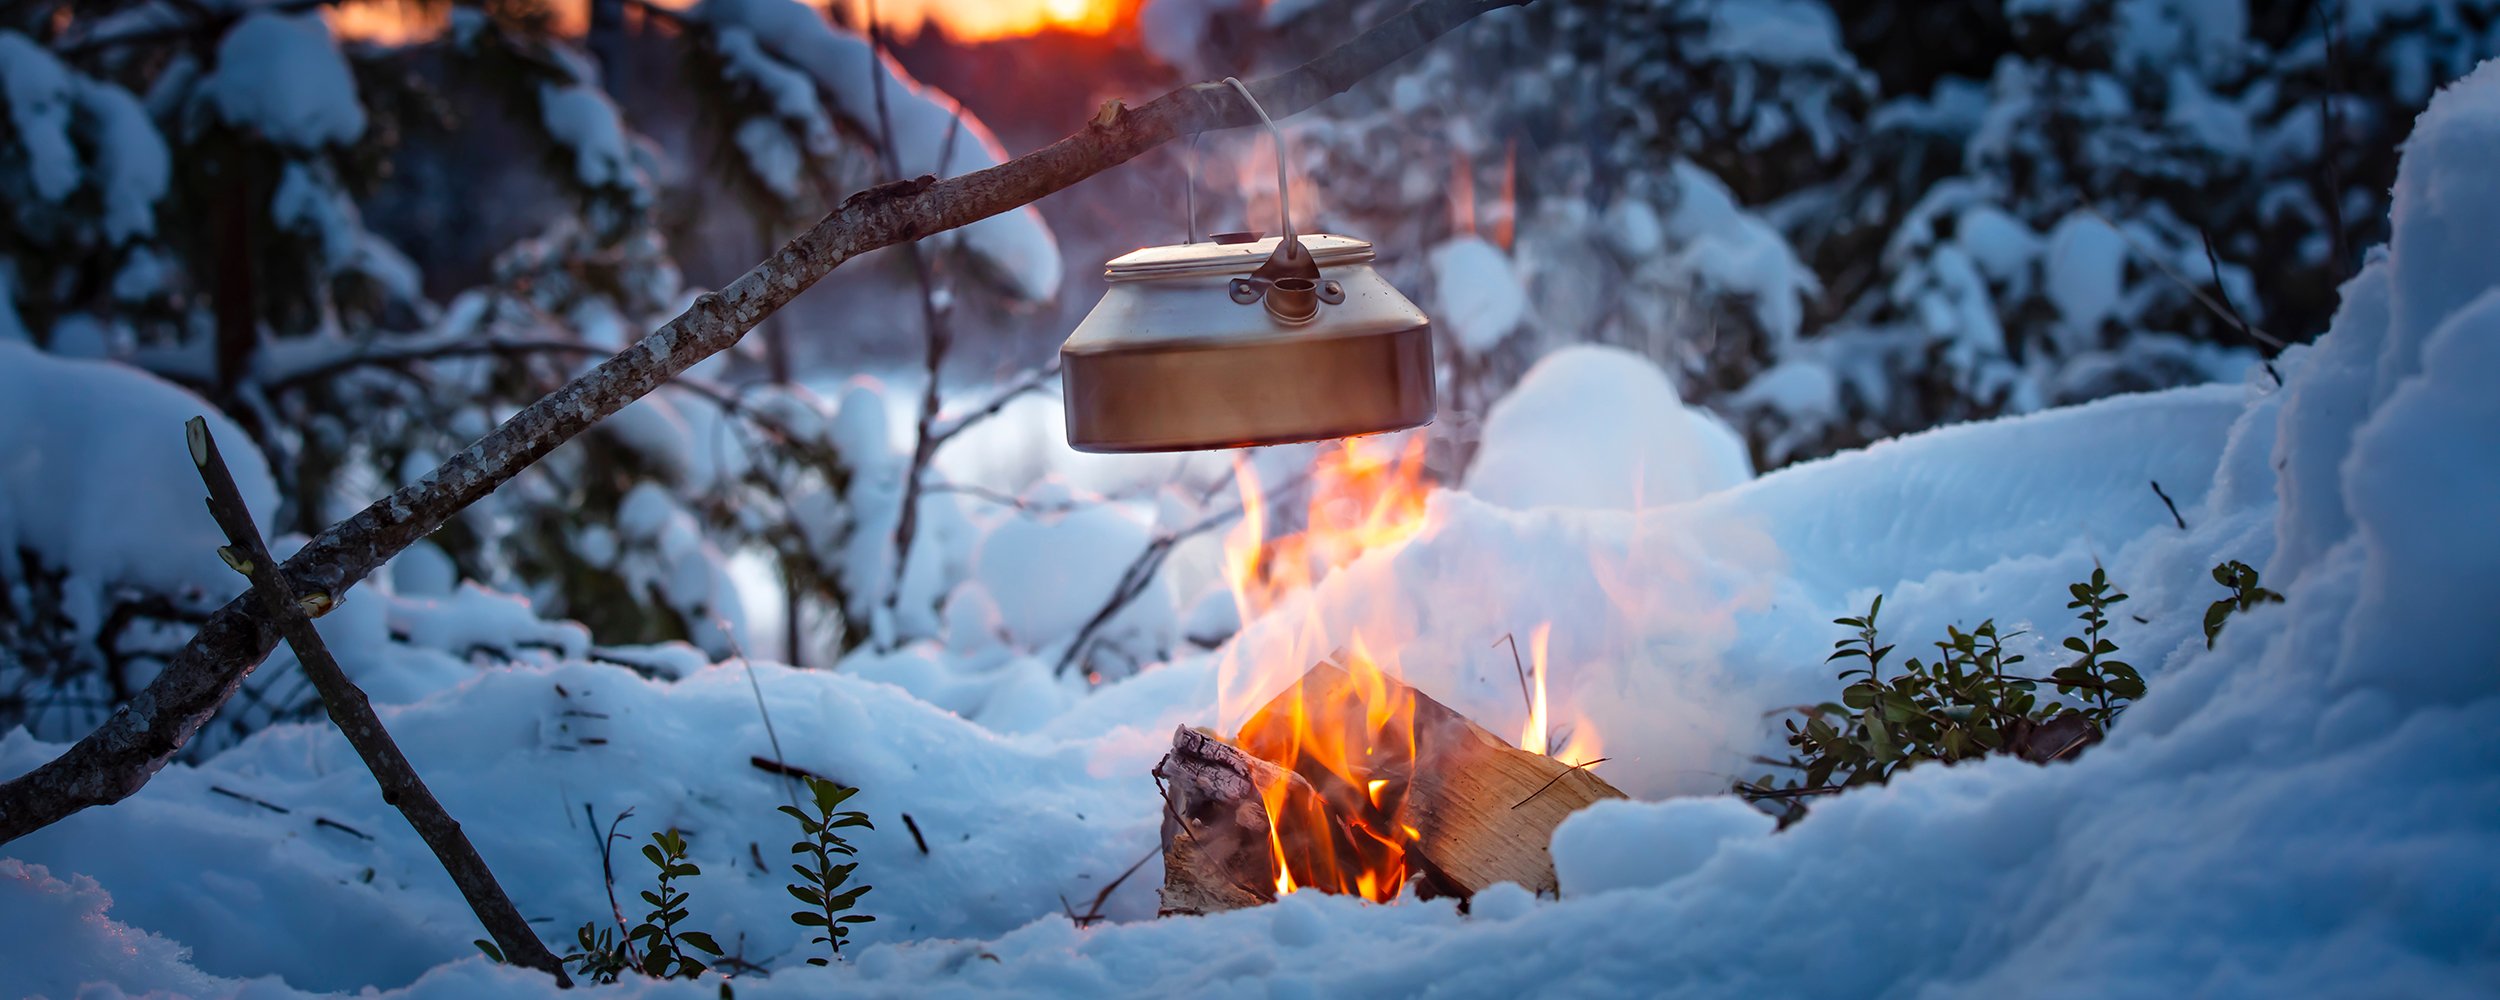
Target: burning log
x=1358, y=784
x=1216, y=854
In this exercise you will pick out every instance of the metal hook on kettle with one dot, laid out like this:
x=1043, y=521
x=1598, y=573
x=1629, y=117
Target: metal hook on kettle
x=1289, y=282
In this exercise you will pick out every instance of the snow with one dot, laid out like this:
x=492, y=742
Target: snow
x=1045, y=574
x=2310, y=807
x=283, y=77
x=110, y=495
x=59, y=116
x=1780, y=32
x=64, y=922
x=932, y=134
x=38, y=89
x=1476, y=295
x=2086, y=266
x=1730, y=250
x=1600, y=428
x=2444, y=207
x=580, y=117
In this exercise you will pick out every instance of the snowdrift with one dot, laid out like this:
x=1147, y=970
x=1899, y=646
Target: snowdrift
x=2312, y=807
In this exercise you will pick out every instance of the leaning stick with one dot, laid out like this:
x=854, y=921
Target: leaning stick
x=248, y=554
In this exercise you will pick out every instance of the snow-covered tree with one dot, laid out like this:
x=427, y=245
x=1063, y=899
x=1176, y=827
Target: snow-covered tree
x=273, y=297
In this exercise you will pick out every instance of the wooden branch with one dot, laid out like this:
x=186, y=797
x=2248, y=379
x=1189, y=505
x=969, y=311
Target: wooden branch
x=349, y=709
x=120, y=756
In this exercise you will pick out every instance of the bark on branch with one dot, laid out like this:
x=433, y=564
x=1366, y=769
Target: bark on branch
x=122, y=754
x=353, y=714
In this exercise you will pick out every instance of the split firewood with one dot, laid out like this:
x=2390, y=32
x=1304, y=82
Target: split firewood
x=1216, y=852
x=1482, y=810
x=1452, y=805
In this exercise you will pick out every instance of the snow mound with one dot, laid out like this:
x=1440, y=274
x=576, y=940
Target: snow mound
x=95, y=479
x=1601, y=428
x=62, y=940
x=1476, y=295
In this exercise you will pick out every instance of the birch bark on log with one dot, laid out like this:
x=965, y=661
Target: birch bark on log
x=1484, y=810
x=120, y=756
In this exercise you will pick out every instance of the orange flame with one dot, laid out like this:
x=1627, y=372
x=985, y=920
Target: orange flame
x=1462, y=196
x=1349, y=738
x=1533, y=739
x=1365, y=493
x=1349, y=734
x=1506, y=201
x=1345, y=734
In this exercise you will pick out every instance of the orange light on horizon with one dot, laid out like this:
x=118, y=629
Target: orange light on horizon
x=397, y=22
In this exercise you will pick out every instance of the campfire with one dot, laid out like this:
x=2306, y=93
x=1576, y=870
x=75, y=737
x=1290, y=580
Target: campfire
x=1350, y=781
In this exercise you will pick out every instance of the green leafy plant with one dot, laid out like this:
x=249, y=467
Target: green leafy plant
x=2241, y=580
x=2109, y=683
x=600, y=957
x=665, y=947
x=821, y=878
x=657, y=946
x=1964, y=703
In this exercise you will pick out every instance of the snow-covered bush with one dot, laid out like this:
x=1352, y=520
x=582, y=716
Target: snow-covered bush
x=277, y=302
x=1997, y=206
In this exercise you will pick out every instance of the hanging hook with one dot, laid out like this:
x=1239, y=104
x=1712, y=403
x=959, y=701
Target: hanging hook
x=1190, y=194
x=1289, y=283
x=1284, y=193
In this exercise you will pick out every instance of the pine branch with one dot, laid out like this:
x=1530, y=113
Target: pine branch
x=248, y=554
x=119, y=757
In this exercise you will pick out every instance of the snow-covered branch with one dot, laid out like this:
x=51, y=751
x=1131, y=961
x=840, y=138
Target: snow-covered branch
x=120, y=756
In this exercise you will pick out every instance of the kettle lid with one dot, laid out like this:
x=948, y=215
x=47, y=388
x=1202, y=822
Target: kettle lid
x=1182, y=260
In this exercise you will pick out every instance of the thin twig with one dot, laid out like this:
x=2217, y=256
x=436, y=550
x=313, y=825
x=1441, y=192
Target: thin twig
x=1032, y=381
x=2213, y=264
x=2165, y=501
x=938, y=337
x=2330, y=128
x=1759, y=792
x=771, y=766
x=1549, y=783
x=353, y=713
x=1518, y=667
x=261, y=802
x=607, y=871
x=320, y=821
x=2154, y=257
x=916, y=838
x=757, y=687
x=1093, y=913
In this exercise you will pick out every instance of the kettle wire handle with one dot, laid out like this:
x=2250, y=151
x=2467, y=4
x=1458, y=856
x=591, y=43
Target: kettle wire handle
x=1290, y=246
